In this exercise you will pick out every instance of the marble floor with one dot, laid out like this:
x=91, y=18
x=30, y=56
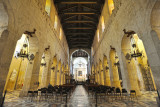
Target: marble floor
x=80, y=98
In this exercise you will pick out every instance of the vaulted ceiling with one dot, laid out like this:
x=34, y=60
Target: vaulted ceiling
x=79, y=19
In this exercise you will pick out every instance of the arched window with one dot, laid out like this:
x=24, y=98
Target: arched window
x=98, y=35
x=103, y=25
x=60, y=34
x=111, y=6
x=48, y=6
x=55, y=22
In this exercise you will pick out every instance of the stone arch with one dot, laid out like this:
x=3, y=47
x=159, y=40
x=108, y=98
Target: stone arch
x=53, y=71
x=92, y=76
x=139, y=67
x=110, y=6
x=88, y=51
x=155, y=18
x=97, y=74
x=3, y=27
x=114, y=60
x=48, y=6
x=156, y=41
x=107, y=80
x=101, y=73
x=21, y=69
x=58, y=79
x=66, y=69
x=3, y=19
x=44, y=69
x=103, y=24
x=62, y=75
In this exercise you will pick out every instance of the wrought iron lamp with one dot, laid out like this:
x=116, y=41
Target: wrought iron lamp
x=43, y=63
x=53, y=68
x=107, y=67
x=135, y=52
x=24, y=53
x=117, y=62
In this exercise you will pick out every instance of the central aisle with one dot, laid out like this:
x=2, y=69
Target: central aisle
x=80, y=97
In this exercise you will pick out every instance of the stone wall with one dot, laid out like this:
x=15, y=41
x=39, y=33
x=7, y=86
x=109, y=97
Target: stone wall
x=27, y=15
x=132, y=16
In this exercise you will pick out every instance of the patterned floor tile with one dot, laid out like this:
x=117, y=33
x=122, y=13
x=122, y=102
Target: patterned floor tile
x=80, y=98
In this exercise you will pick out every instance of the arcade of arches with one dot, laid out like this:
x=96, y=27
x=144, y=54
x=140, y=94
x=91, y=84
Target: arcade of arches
x=89, y=49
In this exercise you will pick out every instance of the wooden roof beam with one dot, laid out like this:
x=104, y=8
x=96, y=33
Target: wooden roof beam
x=80, y=13
x=80, y=21
x=76, y=2
x=73, y=28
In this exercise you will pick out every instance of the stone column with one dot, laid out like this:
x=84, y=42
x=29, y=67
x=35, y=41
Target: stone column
x=152, y=47
x=31, y=76
x=110, y=72
x=7, y=46
x=35, y=72
x=107, y=78
x=45, y=72
x=132, y=73
x=102, y=77
x=49, y=72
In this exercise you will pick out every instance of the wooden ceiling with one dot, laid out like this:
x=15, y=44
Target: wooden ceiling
x=79, y=19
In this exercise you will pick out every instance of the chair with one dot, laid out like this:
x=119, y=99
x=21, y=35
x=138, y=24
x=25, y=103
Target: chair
x=118, y=93
x=30, y=95
x=35, y=94
x=133, y=94
x=124, y=94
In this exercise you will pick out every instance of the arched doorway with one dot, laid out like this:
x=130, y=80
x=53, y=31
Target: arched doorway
x=92, y=76
x=110, y=6
x=107, y=80
x=101, y=73
x=18, y=65
x=3, y=19
x=62, y=75
x=44, y=69
x=20, y=71
x=80, y=69
x=83, y=63
x=97, y=74
x=138, y=68
x=53, y=71
x=58, y=79
x=114, y=60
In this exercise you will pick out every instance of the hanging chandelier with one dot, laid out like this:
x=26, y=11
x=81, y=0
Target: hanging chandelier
x=135, y=53
x=23, y=52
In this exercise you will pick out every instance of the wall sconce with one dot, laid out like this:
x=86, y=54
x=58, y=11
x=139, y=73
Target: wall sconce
x=117, y=63
x=44, y=62
x=53, y=68
x=106, y=67
x=128, y=33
